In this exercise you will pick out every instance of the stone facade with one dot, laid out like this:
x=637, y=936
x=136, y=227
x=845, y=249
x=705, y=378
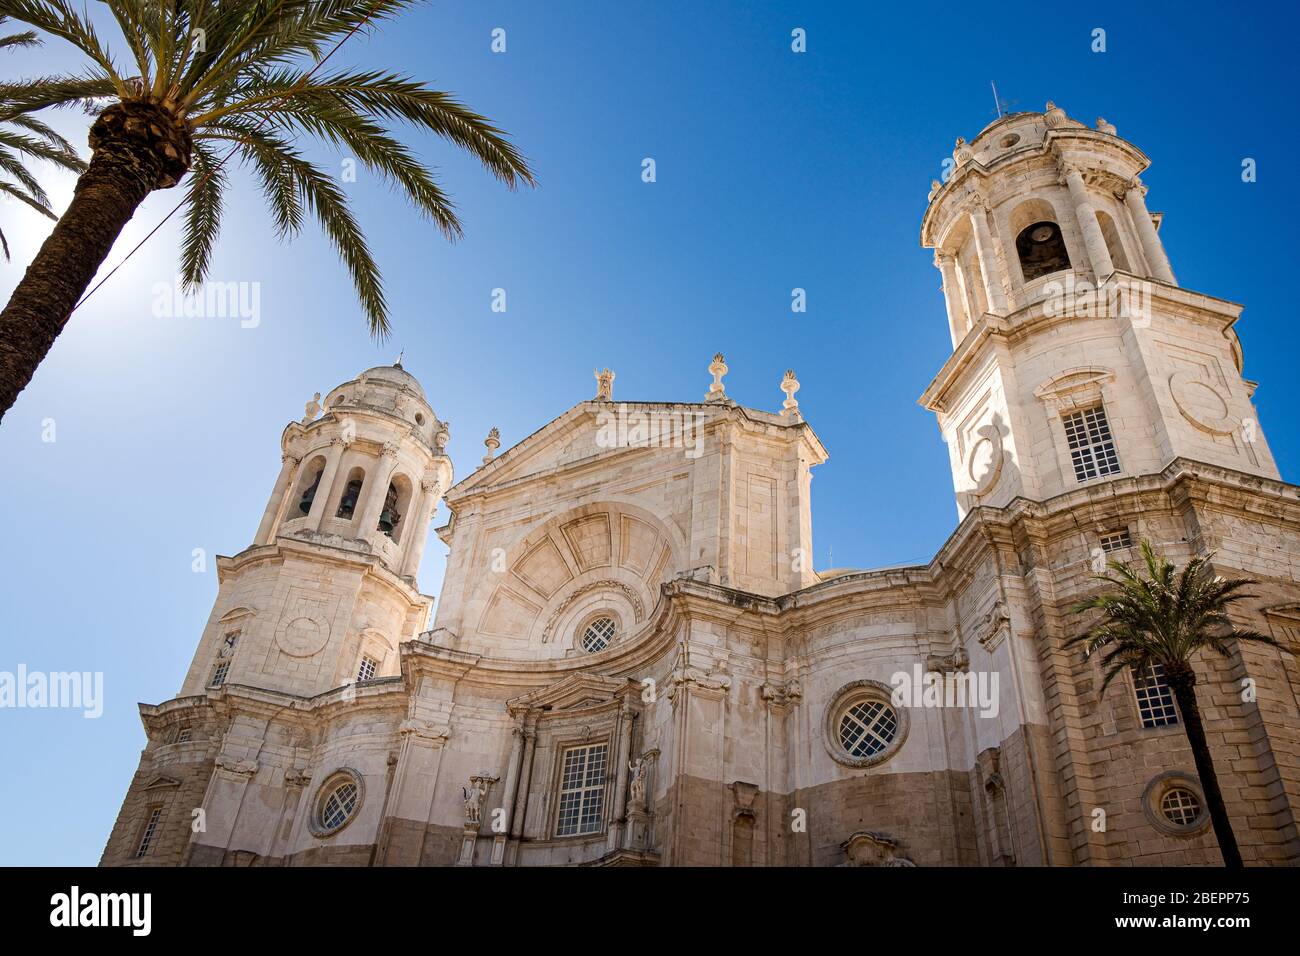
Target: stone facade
x=633, y=661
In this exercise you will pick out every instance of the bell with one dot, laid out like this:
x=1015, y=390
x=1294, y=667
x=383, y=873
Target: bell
x=386, y=522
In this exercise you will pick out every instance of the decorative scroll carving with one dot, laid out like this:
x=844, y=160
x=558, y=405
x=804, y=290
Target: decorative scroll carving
x=996, y=624
x=873, y=848
x=782, y=695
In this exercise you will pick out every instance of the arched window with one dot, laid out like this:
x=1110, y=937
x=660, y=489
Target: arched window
x=351, y=494
x=1110, y=232
x=1041, y=250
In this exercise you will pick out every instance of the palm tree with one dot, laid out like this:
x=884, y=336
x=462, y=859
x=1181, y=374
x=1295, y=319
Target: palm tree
x=209, y=79
x=1167, y=618
x=24, y=137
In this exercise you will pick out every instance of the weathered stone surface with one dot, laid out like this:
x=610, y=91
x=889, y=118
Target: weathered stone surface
x=632, y=585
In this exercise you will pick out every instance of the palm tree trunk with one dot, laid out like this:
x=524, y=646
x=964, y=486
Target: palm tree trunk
x=1183, y=683
x=107, y=196
x=137, y=149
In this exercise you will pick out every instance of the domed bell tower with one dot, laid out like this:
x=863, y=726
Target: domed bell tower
x=1077, y=358
x=327, y=591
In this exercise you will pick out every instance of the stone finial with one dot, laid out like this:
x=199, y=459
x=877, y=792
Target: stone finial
x=962, y=153
x=790, y=385
x=1104, y=127
x=717, y=391
x=604, y=385
x=493, y=442
x=311, y=410
x=1054, y=116
x=441, y=436
x=935, y=186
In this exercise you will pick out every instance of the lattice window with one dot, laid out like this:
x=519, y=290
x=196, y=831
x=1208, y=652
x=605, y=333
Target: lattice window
x=1155, y=698
x=225, y=654
x=597, y=635
x=1092, y=449
x=219, y=674
x=184, y=735
x=867, y=728
x=367, y=669
x=1116, y=540
x=582, y=790
x=1181, y=807
x=149, y=832
x=339, y=805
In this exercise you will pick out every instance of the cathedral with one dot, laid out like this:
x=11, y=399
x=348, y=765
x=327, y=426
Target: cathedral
x=634, y=663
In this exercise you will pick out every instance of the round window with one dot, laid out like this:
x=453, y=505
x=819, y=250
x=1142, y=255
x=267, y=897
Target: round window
x=338, y=802
x=863, y=726
x=1181, y=807
x=867, y=728
x=597, y=635
x=1173, y=804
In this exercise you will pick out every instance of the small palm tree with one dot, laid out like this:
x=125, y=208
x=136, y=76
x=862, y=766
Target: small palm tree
x=24, y=137
x=210, y=77
x=1167, y=618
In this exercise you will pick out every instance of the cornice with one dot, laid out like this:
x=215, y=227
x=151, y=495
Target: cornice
x=974, y=175
x=1033, y=318
x=369, y=563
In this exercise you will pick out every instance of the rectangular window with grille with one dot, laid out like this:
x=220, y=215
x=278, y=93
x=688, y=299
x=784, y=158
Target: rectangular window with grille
x=1092, y=449
x=219, y=673
x=582, y=790
x=1155, y=698
x=1116, y=541
x=149, y=832
x=367, y=669
x=183, y=735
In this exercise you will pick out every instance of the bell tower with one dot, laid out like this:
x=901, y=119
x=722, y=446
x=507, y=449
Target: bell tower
x=1077, y=358
x=327, y=590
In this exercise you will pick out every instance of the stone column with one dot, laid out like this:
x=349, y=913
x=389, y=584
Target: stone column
x=325, y=488
x=511, y=792
x=275, y=507
x=620, y=785
x=952, y=295
x=376, y=489
x=1094, y=242
x=1152, y=248
x=418, y=529
x=988, y=259
x=525, y=778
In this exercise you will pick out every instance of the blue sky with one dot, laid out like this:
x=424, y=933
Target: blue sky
x=774, y=171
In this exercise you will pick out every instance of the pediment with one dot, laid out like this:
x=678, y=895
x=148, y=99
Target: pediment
x=574, y=692
x=1084, y=377
x=162, y=783
x=563, y=440
x=592, y=431
x=1291, y=611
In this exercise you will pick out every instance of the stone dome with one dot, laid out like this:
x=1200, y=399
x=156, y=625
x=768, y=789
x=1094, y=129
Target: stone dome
x=393, y=374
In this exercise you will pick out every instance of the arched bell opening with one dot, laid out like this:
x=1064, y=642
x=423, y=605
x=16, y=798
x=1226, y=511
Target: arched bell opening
x=397, y=502
x=308, y=485
x=351, y=497
x=1040, y=247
